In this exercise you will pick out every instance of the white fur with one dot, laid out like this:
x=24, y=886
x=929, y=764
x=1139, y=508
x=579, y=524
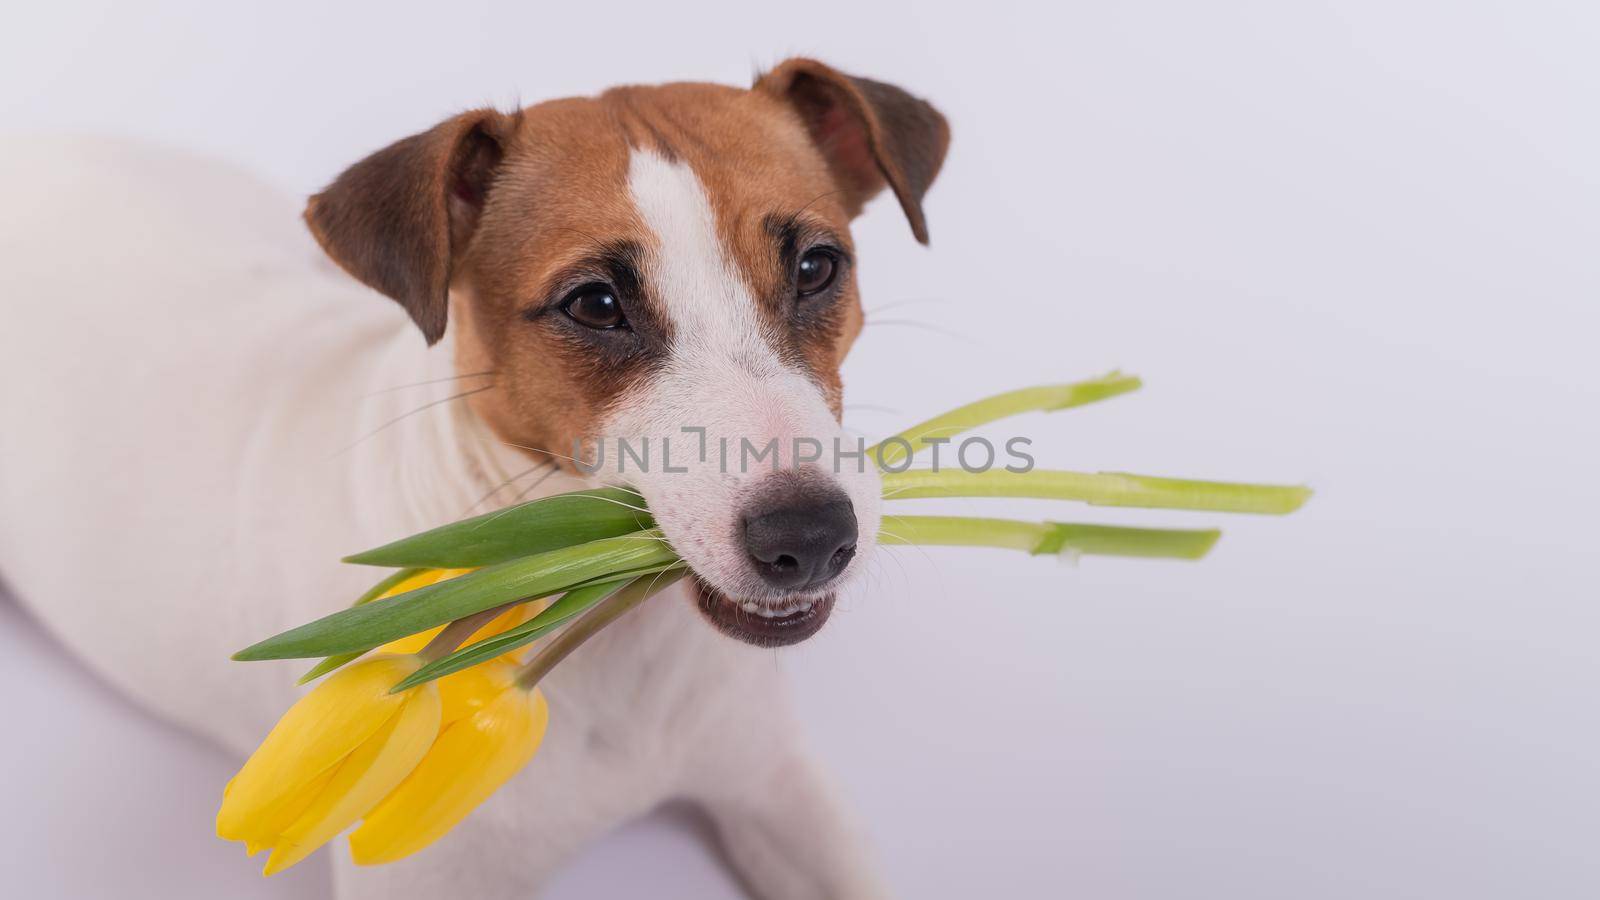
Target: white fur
x=723, y=376
x=187, y=447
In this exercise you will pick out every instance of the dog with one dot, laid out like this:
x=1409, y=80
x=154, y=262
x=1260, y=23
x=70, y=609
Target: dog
x=200, y=415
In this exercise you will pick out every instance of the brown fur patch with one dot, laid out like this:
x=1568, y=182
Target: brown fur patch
x=513, y=212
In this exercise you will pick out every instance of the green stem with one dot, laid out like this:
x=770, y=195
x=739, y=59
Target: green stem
x=1098, y=489
x=1048, y=537
x=592, y=623
x=450, y=637
x=1048, y=398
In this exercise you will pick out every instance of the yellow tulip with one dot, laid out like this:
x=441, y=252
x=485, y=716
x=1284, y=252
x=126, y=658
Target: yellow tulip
x=498, y=731
x=346, y=749
x=469, y=690
x=332, y=757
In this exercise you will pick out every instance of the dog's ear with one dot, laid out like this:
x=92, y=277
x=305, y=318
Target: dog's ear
x=397, y=219
x=870, y=133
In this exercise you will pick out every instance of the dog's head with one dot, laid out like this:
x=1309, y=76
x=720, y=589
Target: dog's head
x=663, y=277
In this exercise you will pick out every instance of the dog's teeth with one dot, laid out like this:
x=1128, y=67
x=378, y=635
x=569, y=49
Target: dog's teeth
x=778, y=612
x=774, y=612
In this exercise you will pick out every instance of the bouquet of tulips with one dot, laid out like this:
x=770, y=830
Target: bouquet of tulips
x=429, y=708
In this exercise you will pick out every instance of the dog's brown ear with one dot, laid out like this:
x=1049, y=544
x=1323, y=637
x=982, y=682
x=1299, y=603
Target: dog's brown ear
x=870, y=133
x=398, y=218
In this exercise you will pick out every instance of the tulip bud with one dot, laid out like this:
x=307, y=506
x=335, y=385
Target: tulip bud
x=472, y=758
x=332, y=757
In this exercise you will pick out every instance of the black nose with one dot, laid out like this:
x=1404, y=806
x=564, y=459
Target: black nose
x=802, y=546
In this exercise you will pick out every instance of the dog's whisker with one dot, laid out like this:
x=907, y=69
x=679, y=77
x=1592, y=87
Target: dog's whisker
x=398, y=419
x=508, y=482
x=918, y=547
x=516, y=501
x=639, y=509
x=536, y=482
x=657, y=580
x=541, y=480
x=897, y=304
x=648, y=538
x=871, y=407
x=571, y=459
x=925, y=326
x=401, y=387
x=887, y=533
x=905, y=574
x=877, y=568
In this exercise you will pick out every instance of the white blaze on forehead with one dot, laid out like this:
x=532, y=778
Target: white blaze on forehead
x=722, y=376
x=705, y=298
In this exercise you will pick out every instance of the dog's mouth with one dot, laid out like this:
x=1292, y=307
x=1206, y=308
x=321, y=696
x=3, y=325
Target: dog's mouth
x=764, y=624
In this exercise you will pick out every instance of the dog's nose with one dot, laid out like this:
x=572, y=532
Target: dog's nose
x=802, y=546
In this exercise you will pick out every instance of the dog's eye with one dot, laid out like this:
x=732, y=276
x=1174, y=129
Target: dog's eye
x=815, y=272
x=595, y=306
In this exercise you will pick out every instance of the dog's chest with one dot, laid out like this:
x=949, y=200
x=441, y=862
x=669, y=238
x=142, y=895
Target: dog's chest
x=660, y=685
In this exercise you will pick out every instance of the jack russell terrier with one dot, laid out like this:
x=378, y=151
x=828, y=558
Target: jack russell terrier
x=200, y=416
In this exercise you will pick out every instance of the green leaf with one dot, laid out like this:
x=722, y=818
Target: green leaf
x=1040, y=538
x=1098, y=489
x=363, y=627
x=1047, y=398
x=537, y=526
x=331, y=663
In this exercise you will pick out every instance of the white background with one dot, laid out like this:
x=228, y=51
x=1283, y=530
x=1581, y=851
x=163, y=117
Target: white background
x=1350, y=243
